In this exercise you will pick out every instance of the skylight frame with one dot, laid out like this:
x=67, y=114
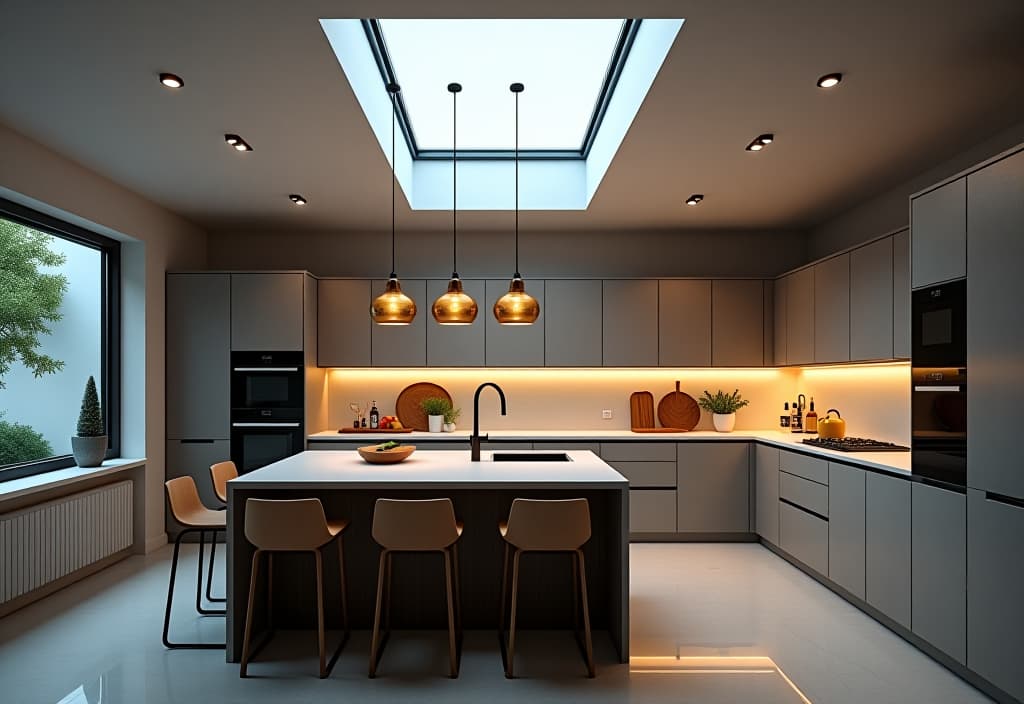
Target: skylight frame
x=620, y=53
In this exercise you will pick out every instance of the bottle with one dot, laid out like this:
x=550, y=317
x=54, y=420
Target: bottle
x=795, y=419
x=374, y=416
x=811, y=419
x=784, y=418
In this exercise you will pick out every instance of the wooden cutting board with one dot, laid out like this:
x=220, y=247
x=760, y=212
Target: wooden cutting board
x=375, y=430
x=407, y=407
x=678, y=410
x=641, y=410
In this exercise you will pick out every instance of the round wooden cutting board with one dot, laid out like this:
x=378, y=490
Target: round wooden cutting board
x=407, y=407
x=678, y=410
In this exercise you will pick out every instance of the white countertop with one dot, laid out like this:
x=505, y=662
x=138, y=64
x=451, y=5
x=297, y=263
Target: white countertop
x=894, y=462
x=426, y=468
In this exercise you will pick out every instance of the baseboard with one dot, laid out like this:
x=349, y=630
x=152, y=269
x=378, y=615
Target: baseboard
x=692, y=537
x=58, y=584
x=156, y=542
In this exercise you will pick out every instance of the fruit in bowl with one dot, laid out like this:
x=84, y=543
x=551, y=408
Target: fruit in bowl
x=386, y=453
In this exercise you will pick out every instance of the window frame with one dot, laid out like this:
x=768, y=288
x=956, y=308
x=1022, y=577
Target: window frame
x=630, y=27
x=110, y=333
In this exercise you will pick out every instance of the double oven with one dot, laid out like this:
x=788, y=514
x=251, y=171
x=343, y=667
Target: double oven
x=939, y=384
x=267, y=402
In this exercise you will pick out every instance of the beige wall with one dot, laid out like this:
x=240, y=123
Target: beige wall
x=155, y=240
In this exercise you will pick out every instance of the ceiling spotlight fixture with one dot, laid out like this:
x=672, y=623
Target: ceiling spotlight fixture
x=297, y=199
x=237, y=142
x=393, y=307
x=695, y=199
x=830, y=80
x=516, y=307
x=760, y=142
x=171, y=81
x=455, y=306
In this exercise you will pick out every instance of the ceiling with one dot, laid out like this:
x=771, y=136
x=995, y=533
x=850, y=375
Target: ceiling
x=924, y=79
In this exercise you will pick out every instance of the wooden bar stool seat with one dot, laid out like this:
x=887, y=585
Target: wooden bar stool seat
x=297, y=525
x=417, y=526
x=221, y=473
x=546, y=526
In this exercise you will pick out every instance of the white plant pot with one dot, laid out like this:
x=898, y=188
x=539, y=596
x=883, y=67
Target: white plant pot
x=434, y=423
x=449, y=427
x=724, y=422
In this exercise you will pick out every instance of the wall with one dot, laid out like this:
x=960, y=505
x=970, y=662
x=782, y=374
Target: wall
x=154, y=240
x=890, y=209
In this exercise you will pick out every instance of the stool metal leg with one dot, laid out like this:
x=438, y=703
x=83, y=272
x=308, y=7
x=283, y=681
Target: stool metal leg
x=209, y=575
x=170, y=598
x=516, y=554
x=247, y=638
x=320, y=638
x=589, y=651
x=376, y=646
x=453, y=660
x=199, y=582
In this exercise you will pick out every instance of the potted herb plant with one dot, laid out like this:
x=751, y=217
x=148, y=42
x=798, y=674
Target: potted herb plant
x=723, y=406
x=450, y=416
x=90, y=445
x=435, y=407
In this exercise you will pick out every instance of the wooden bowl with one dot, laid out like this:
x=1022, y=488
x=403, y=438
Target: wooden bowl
x=392, y=456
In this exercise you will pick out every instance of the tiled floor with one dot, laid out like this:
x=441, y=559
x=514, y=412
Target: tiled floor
x=711, y=623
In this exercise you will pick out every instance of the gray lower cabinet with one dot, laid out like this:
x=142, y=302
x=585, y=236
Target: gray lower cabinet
x=832, y=310
x=804, y=536
x=871, y=301
x=846, y=529
x=938, y=568
x=779, y=334
x=800, y=317
x=684, y=323
x=343, y=322
x=572, y=331
x=713, y=487
x=457, y=345
x=192, y=458
x=938, y=230
x=267, y=312
x=887, y=545
x=737, y=323
x=901, y=295
x=766, y=492
x=403, y=345
x=513, y=345
x=995, y=573
x=198, y=355
x=812, y=468
x=630, y=323
x=652, y=510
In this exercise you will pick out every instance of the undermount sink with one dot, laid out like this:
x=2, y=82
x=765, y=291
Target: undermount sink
x=530, y=457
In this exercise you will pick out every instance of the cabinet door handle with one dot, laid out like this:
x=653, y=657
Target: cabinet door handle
x=264, y=425
x=266, y=369
x=1005, y=500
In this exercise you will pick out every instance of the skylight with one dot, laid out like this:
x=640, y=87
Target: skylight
x=566, y=65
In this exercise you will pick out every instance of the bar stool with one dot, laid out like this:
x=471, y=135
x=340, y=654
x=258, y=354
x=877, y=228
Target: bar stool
x=546, y=526
x=297, y=525
x=221, y=473
x=417, y=526
x=188, y=510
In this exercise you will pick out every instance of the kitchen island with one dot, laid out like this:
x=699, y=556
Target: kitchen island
x=482, y=493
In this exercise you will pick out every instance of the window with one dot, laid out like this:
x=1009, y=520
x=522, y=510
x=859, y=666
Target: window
x=569, y=68
x=59, y=325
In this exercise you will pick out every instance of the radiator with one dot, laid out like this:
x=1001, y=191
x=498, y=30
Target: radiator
x=42, y=543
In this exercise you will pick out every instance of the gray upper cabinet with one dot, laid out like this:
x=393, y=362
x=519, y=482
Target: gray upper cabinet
x=938, y=228
x=684, y=323
x=457, y=345
x=779, y=333
x=572, y=332
x=403, y=345
x=267, y=312
x=901, y=295
x=630, y=323
x=513, y=345
x=343, y=322
x=846, y=527
x=768, y=308
x=939, y=568
x=832, y=310
x=737, y=323
x=766, y=492
x=887, y=546
x=198, y=356
x=995, y=611
x=800, y=317
x=871, y=301
x=713, y=487
x=994, y=333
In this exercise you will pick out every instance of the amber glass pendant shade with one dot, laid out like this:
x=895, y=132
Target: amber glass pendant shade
x=393, y=307
x=455, y=306
x=516, y=307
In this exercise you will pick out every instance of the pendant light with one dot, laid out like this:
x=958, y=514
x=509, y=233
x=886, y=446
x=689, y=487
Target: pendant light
x=393, y=307
x=455, y=306
x=517, y=307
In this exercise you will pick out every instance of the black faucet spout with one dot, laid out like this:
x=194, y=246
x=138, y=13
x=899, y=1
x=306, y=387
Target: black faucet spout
x=474, y=439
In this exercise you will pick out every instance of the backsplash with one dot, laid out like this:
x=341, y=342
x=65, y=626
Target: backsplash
x=873, y=399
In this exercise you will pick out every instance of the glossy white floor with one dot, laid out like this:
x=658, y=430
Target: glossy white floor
x=710, y=623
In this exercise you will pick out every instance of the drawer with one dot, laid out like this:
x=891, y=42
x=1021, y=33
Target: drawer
x=559, y=445
x=648, y=474
x=804, y=536
x=639, y=451
x=652, y=511
x=803, y=466
x=811, y=495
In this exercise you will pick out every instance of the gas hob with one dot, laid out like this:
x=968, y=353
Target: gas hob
x=855, y=445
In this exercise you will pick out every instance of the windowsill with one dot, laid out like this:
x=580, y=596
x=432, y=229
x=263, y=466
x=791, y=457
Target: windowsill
x=24, y=486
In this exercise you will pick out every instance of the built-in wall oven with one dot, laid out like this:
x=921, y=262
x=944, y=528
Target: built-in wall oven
x=939, y=384
x=267, y=401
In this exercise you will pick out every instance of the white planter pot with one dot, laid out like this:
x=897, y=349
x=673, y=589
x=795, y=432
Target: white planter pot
x=434, y=423
x=449, y=427
x=724, y=422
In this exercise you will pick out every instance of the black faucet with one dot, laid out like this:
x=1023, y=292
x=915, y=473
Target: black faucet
x=474, y=439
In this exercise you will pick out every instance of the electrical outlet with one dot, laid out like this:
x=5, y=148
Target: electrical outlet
x=606, y=414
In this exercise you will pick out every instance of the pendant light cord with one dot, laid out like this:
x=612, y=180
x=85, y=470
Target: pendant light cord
x=455, y=230
x=393, y=114
x=517, y=187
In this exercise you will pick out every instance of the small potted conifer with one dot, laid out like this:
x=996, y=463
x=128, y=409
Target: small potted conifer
x=90, y=445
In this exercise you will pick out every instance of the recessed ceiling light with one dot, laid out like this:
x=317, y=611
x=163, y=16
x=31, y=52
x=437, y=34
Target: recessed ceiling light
x=297, y=199
x=695, y=199
x=830, y=80
x=760, y=142
x=171, y=81
x=237, y=142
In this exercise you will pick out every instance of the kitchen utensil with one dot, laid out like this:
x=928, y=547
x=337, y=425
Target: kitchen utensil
x=371, y=454
x=678, y=410
x=641, y=410
x=829, y=427
x=407, y=407
x=368, y=431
